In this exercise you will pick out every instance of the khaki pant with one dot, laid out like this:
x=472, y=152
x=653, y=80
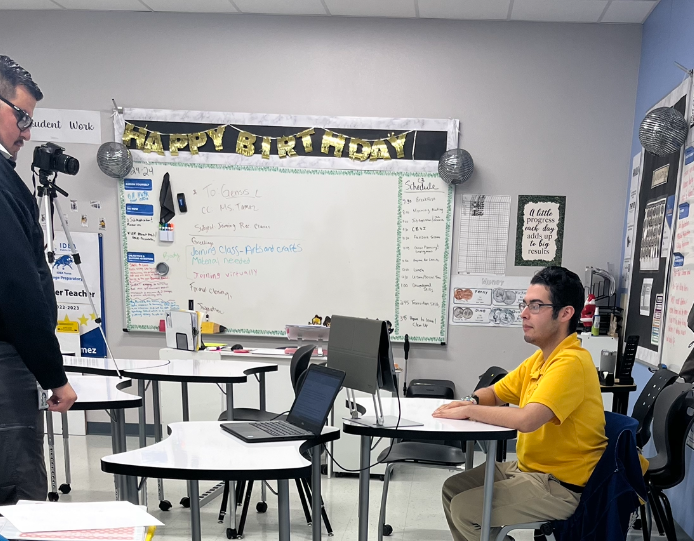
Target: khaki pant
x=518, y=497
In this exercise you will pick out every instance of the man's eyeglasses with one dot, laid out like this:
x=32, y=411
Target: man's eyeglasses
x=24, y=120
x=534, y=307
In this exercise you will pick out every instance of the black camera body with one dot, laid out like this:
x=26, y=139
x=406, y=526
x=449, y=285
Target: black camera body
x=51, y=158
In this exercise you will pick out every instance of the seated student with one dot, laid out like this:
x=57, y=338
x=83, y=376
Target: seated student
x=561, y=421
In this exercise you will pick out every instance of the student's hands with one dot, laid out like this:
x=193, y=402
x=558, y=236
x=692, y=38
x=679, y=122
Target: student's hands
x=62, y=398
x=453, y=410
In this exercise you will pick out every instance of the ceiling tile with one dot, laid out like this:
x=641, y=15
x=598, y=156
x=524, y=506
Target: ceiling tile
x=281, y=7
x=372, y=8
x=464, y=9
x=28, y=4
x=200, y=6
x=104, y=5
x=575, y=11
x=628, y=11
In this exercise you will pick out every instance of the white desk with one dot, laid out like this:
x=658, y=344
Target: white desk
x=93, y=393
x=420, y=410
x=198, y=451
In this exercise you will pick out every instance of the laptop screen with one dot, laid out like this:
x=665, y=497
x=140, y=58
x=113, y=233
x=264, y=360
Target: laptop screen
x=315, y=398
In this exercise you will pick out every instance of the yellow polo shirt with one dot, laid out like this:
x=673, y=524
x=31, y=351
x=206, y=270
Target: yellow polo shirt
x=570, y=445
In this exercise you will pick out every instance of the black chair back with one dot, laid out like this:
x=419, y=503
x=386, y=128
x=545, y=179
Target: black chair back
x=643, y=408
x=673, y=417
x=490, y=377
x=299, y=364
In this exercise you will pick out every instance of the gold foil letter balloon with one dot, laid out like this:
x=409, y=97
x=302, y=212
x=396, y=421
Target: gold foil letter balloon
x=177, y=141
x=265, y=151
x=398, y=142
x=133, y=132
x=217, y=135
x=379, y=149
x=196, y=140
x=332, y=140
x=245, y=144
x=306, y=139
x=285, y=146
x=153, y=143
x=354, y=145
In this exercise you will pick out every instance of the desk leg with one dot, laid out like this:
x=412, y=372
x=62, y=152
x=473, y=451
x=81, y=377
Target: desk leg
x=184, y=400
x=263, y=407
x=331, y=446
x=364, y=459
x=469, y=454
x=142, y=418
x=316, y=501
x=115, y=446
x=193, y=490
x=489, y=472
x=232, y=484
x=283, y=505
x=66, y=452
x=620, y=403
x=157, y=431
x=53, y=495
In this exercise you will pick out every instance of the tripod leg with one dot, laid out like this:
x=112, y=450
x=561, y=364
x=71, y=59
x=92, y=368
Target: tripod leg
x=225, y=500
x=244, y=511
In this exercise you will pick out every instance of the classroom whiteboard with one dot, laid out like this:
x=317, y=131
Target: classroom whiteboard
x=262, y=247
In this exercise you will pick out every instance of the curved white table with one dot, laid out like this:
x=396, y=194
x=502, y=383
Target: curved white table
x=178, y=370
x=93, y=393
x=203, y=451
x=420, y=410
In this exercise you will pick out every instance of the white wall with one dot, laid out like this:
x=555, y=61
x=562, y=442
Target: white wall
x=544, y=109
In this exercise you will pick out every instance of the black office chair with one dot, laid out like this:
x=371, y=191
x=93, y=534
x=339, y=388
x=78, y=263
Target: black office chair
x=489, y=378
x=673, y=418
x=643, y=408
x=298, y=368
x=299, y=363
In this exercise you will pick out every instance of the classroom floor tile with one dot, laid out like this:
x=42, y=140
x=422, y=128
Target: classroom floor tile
x=414, y=501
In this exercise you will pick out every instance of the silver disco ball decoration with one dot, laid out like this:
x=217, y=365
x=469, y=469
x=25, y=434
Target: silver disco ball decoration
x=455, y=166
x=114, y=160
x=663, y=131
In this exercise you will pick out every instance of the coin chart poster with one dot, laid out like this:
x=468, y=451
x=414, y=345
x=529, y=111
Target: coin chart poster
x=487, y=300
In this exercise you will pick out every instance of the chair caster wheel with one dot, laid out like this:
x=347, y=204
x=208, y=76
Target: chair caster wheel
x=53, y=496
x=231, y=533
x=165, y=505
x=331, y=534
x=387, y=529
x=261, y=507
x=381, y=477
x=185, y=502
x=65, y=488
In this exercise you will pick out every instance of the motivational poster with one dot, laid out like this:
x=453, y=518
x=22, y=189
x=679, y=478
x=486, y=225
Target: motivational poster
x=540, y=230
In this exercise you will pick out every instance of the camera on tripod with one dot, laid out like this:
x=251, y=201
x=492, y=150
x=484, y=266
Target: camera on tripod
x=51, y=158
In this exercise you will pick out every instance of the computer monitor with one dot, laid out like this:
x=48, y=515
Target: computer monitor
x=361, y=349
x=354, y=348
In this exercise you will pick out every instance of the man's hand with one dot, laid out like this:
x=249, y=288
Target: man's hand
x=62, y=398
x=453, y=410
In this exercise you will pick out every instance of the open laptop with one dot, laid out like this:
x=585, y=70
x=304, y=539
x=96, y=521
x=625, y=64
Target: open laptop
x=307, y=416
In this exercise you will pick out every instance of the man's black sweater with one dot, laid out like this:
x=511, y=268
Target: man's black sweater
x=28, y=311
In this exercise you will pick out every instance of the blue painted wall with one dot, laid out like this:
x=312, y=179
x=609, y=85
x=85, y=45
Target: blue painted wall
x=668, y=36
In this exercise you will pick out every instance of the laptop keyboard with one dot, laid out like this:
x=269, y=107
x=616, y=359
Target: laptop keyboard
x=280, y=428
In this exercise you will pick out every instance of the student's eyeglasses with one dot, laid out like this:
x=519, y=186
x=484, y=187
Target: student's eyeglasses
x=24, y=120
x=534, y=307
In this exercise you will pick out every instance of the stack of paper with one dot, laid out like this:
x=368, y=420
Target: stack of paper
x=109, y=521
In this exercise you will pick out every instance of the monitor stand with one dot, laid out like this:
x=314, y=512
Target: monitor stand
x=379, y=420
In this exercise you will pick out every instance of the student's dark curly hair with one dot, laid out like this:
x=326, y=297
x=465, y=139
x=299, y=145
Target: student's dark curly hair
x=565, y=289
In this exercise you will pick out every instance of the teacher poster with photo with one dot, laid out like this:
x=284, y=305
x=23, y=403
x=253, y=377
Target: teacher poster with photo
x=540, y=230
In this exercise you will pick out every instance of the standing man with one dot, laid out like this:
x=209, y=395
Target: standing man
x=29, y=350
x=560, y=419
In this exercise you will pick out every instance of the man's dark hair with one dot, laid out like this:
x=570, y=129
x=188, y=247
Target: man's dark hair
x=13, y=75
x=565, y=289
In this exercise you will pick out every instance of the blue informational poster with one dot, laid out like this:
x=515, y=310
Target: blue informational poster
x=75, y=312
